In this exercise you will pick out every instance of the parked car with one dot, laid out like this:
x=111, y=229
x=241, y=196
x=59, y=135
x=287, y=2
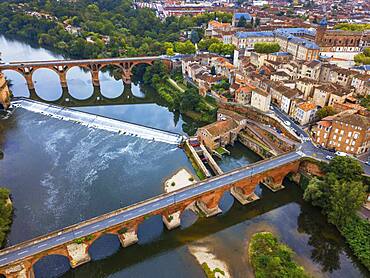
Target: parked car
x=287, y=123
x=329, y=157
x=338, y=153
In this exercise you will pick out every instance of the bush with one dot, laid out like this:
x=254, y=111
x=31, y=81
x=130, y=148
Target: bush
x=6, y=212
x=211, y=273
x=266, y=47
x=270, y=258
x=357, y=234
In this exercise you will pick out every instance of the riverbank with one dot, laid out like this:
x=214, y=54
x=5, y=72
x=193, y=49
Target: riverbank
x=270, y=258
x=6, y=214
x=181, y=179
x=211, y=265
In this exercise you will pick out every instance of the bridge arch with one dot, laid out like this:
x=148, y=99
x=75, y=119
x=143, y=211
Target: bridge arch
x=18, y=82
x=150, y=229
x=47, y=84
x=226, y=201
x=188, y=217
x=51, y=265
x=103, y=246
x=79, y=82
x=111, y=81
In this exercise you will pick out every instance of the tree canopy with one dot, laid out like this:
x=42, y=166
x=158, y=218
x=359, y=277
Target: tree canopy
x=132, y=32
x=340, y=192
x=364, y=57
x=325, y=111
x=266, y=47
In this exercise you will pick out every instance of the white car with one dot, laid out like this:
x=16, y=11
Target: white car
x=329, y=157
x=287, y=123
x=340, y=153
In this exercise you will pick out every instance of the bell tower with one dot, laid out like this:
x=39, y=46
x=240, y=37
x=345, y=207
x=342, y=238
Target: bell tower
x=320, y=31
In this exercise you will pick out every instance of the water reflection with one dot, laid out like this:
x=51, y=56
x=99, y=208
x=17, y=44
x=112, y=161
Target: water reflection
x=47, y=84
x=79, y=83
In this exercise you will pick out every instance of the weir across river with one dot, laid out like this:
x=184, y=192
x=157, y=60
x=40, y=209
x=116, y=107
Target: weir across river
x=100, y=122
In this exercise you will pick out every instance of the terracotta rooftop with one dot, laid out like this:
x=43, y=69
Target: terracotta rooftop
x=306, y=106
x=220, y=127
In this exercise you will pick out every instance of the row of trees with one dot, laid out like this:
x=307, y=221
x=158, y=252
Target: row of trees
x=214, y=45
x=266, y=47
x=340, y=194
x=132, y=32
x=352, y=27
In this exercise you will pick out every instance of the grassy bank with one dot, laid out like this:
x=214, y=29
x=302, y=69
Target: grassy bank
x=271, y=258
x=180, y=97
x=6, y=212
x=357, y=234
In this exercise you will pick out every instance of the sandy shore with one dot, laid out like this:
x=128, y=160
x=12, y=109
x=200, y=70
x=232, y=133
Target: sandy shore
x=181, y=179
x=204, y=255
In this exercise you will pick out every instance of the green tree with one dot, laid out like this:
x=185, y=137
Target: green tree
x=242, y=22
x=213, y=70
x=266, y=47
x=325, y=111
x=341, y=192
x=345, y=168
x=205, y=43
x=345, y=200
x=194, y=37
x=170, y=52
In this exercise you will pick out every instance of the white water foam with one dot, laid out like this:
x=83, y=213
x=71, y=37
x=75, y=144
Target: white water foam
x=100, y=122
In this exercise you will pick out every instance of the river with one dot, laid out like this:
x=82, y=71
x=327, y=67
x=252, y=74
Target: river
x=60, y=173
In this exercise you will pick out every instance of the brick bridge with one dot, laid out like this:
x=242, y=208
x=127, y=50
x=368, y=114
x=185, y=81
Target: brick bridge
x=74, y=241
x=61, y=67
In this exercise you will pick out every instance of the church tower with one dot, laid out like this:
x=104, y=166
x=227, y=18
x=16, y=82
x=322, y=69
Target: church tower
x=320, y=31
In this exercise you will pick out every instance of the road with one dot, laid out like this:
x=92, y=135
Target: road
x=25, y=249
x=307, y=146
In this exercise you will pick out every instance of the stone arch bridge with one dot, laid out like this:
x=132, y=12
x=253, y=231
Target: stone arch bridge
x=74, y=241
x=61, y=67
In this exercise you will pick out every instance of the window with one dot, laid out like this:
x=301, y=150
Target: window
x=334, y=137
x=350, y=134
x=336, y=130
x=355, y=136
x=347, y=141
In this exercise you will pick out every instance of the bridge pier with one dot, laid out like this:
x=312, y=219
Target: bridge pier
x=208, y=204
x=128, y=235
x=19, y=271
x=126, y=77
x=29, y=81
x=172, y=220
x=78, y=254
x=63, y=79
x=243, y=198
x=95, y=78
x=273, y=184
